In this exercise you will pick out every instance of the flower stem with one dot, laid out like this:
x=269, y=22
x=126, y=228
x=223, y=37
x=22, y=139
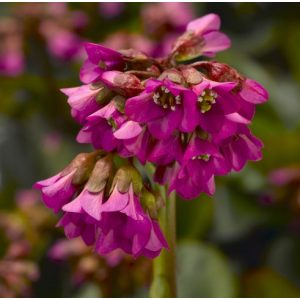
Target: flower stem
x=164, y=266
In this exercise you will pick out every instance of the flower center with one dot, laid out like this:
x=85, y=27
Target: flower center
x=164, y=98
x=206, y=100
x=204, y=157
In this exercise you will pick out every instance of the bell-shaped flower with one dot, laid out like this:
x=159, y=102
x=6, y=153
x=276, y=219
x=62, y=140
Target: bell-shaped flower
x=60, y=189
x=99, y=60
x=164, y=106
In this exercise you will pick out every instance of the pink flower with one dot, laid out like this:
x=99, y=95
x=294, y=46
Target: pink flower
x=213, y=104
x=107, y=127
x=201, y=162
x=126, y=226
x=164, y=106
x=100, y=59
x=83, y=101
x=114, y=222
x=241, y=147
x=57, y=190
x=202, y=37
x=60, y=189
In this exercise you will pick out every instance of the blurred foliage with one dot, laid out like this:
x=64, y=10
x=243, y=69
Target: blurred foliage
x=232, y=245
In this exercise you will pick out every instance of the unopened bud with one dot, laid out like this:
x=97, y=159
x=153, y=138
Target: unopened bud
x=126, y=176
x=220, y=72
x=104, y=95
x=173, y=75
x=119, y=102
x=100, y=174
x=191, y=75
x=83, y=163
x=149, y=203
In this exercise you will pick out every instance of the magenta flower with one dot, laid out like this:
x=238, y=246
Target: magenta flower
x=190, y=120
x=138, y=143
x=167, y=151
x=78, y=225
x=57, y=190
x=253, y=92
x=164, y=106
x=241, y=147
x=100, y=59
x=201, y=162
x=60, y=189
x=202, y=37
x=107, y=127
x=114, y=222
x=126, y=226
x=213, y=104
x=83, y=101
x=99, y=128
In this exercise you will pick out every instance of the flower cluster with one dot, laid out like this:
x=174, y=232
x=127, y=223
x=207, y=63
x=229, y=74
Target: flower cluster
x=109, y=209
x=190, y=120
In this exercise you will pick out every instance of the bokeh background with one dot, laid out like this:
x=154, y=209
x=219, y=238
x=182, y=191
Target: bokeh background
x=243, y=242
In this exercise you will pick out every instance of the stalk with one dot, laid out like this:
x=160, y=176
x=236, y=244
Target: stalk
x=164, y=266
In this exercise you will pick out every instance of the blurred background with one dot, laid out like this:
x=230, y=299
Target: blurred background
x=244, y=242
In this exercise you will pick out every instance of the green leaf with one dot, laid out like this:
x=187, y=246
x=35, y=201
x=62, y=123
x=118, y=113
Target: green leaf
x=266, y=283
x=203, y=272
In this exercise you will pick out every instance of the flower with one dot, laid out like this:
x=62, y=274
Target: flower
x=59, y=189
x=125, y=225
x=201, y=162
x=164, y=106
x=241, y=147
x=103, y=128
x=83, y=100
x=213, y=104
x=99, y=60
x=202, y=37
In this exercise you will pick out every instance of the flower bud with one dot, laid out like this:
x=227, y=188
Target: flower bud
x=123, y=83
x=83, y=163
x=100, y=174
x=173, y=75
x=126, y=176
x=148, y=201
x=191, y=75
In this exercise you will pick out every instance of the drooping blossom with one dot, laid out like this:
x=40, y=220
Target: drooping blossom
x=202, y=37
x=59, y=189
x=83, y=100
x=99, y=59
x=189, y=119
x=108, y=215
x=105, y=125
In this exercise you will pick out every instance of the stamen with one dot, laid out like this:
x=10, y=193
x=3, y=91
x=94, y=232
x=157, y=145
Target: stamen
x=173, y=108
x=167, y=91
x=178, y=99
x=206, y=100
